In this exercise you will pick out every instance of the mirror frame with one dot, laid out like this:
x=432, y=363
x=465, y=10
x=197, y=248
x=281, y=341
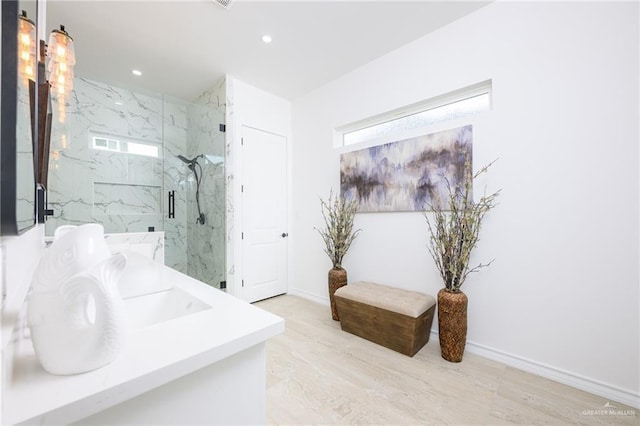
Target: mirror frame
x=8, y=117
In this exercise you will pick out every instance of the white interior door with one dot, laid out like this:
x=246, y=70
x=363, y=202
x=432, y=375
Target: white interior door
x=264, y=214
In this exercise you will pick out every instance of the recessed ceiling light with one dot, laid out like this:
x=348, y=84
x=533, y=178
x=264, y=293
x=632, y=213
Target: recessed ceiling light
x=266, y=38
x=136, y=72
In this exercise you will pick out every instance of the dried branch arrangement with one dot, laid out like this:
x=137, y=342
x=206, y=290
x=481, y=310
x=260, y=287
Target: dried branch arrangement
x=454, y=233
x=338, y=214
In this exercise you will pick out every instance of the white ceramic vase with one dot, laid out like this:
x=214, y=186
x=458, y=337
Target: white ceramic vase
x=75, y=311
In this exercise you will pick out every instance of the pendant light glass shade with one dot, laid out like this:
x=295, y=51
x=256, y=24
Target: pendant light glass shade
x=62, y=58
x=26, y=47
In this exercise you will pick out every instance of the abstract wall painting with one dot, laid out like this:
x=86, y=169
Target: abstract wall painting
x=407, y=175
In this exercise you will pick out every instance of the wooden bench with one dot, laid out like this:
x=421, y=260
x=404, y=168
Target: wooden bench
x=395, y=318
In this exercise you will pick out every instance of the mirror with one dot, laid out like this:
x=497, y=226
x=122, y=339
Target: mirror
x=18, y=186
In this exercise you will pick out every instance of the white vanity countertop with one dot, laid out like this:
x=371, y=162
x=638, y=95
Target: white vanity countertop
x=153, y=356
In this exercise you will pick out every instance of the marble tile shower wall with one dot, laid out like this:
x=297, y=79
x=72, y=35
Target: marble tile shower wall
x=174, y=179
x=124, y=192
x=230, y=142
x=206, y=249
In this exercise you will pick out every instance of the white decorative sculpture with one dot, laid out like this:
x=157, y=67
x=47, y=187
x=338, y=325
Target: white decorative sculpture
x=75, y=311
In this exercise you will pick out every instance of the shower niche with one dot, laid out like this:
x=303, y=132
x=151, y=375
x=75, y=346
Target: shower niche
x=140, y=162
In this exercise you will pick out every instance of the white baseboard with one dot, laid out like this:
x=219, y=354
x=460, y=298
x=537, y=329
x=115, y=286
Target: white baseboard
x=586, y=384
x=310, y=296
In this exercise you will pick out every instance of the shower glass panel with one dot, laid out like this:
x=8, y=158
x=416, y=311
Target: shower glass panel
x=195, y=183
x=205, y=184
x=92, y=175
x=116, y=160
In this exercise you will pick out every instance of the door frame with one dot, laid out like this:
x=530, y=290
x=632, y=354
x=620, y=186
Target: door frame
x=287, y=215
x=249, y=106
x=234, y=285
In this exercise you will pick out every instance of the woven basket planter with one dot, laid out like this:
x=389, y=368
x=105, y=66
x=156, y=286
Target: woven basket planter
x=452, y=324
x=337, y=279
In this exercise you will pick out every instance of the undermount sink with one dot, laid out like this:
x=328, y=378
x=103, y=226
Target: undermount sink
x=150, y=297
x=154, y=308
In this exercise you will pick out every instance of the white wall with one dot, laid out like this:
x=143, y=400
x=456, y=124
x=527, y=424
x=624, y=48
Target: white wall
x=562, y=296
x=252, y=107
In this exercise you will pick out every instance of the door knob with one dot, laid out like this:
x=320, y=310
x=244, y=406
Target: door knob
x=284, y=235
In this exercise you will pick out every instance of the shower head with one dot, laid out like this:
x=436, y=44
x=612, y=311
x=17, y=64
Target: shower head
x=184, y=160
x=212, y=159
x=189, y=162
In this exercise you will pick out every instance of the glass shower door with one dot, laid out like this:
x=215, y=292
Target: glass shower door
x=194, y=183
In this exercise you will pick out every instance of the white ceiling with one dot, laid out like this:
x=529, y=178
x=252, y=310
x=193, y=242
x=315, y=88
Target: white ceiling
x=184, y=47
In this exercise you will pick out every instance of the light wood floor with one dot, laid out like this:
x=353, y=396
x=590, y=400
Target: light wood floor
x=318, y=374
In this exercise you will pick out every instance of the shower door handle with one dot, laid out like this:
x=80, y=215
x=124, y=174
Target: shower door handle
x=284, y=235
x=172, y=204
